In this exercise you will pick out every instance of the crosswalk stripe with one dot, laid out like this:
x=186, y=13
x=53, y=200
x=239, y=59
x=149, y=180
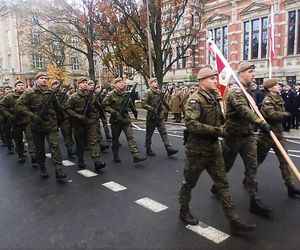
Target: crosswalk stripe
x=87, y=173
x=297, y=156
x=48, y=155
x=116, y=187
x=209, y=232
x=68, y=163
x=151, y=204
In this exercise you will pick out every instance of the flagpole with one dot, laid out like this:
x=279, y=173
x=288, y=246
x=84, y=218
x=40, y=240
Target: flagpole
x=271, y=39
x=254, y=107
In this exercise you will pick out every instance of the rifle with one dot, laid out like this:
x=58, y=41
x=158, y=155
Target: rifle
x=124, y=109
x=45, y=109
x=101, y=111
x=63, y=95
x=161, y=101
x=87, y=106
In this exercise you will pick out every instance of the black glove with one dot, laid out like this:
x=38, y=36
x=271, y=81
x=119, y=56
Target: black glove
x=265, y=128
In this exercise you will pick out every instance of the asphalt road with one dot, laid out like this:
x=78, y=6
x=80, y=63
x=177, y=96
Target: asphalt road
x=84, y=214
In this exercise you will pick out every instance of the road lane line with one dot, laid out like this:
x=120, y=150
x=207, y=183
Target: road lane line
x=116, y=187
x=68, y=163
x=87, y=173
x=151, y=205
x=48, y=155
x=138, y=128
x=209, y=232
x=297, y=156
x=292, y=141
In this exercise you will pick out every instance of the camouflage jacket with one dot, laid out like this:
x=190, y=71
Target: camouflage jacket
x=112, y=104
x=203, y=115
x=7, y=107
x=274, y=112
x=75, y=106
x=31, y=103
x=150, y=103
x=240, y=118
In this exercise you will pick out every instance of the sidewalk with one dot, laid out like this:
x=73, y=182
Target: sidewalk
x=293, y=134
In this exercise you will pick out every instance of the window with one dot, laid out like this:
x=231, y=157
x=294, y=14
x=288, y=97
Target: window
x=37, y=61
x=194, y=56
x=293, y=32
x=75, y=63
x=220, y=37
x=56, y=43
x=192, y=20
x=8, y=38
x=183, y=49
x=255, y=38
x=35, y=35
x=34, y=18
x=178, y=54
x=74, y=42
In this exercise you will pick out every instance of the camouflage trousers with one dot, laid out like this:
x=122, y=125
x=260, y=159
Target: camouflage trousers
x=17, y=132
x=53, y=141
x=211, y=160
x=105, y=125
x=246, y=147
x=264, y=144
x=87, y=136
x=66, y=131
x=151, y=125
x=116, y=130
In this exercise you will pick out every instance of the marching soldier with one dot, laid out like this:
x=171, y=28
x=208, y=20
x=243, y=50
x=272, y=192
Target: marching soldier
x=112, y=104
x=203, y=121
x=155, y=118
x=85, y=126
x=274, y=112
x=240, y=121
x=19, y=123
x=31, y=103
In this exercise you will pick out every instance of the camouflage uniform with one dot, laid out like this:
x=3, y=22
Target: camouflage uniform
x=274, y=112
x=31, y=103
x=154, y=119
x=203, y=152
x=86, y=130
x=112, y=104
x=239, y=125
x=19, y=124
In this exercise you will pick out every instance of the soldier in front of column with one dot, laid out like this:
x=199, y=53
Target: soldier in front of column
x=31, y=103
x=155, y=118
x=274, y=112
x=85, y=126
x=112, y=104
x=240, y=122
x=203, y=121
x=19, y=122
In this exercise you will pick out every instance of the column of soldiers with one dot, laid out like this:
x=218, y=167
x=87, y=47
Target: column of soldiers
x=77, y=112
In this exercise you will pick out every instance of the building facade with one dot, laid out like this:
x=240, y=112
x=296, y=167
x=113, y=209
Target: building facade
x=241, y=29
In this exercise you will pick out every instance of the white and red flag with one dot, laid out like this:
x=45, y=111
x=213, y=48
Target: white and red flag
x=219, y=63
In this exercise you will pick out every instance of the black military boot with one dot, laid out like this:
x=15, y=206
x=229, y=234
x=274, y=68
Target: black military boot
x=99, y=165
x=71, y=153
x=171, y=151
x=150, y=152
x=60, y=175
x=108, y=136
x=293, y=192
x=34, y=162
x=258, y=207
x=238, y=226
x=22, y=158
x=44, y=173
x=10, y=150
x=81, y=164
x=116, y=157
x=186, y=216
x=138, y=159
x=103, y=147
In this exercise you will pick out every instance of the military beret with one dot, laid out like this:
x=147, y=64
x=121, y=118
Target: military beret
x=40, y=74
x=118, y=79
x=244, y=66
x=81, y=79
x=151, y=80
x=54, y=82
x=90, y=82
x=206, y=72
x=18, y=81
x=269, y=83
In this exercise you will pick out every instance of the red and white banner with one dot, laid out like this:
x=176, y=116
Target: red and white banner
x=217, y=63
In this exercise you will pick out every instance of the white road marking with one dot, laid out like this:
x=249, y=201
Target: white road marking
x=87, y=173
x=68, y=163
x=137, y=127
x=151, y=205
x=209, y=232
x=292, y=141
x=48, y=155
x=26, y=144
x=297, y=156
x=116, y=187
x=294, y=151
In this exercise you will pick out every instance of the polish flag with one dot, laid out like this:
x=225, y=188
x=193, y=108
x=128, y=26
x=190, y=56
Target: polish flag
x=217, y=63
